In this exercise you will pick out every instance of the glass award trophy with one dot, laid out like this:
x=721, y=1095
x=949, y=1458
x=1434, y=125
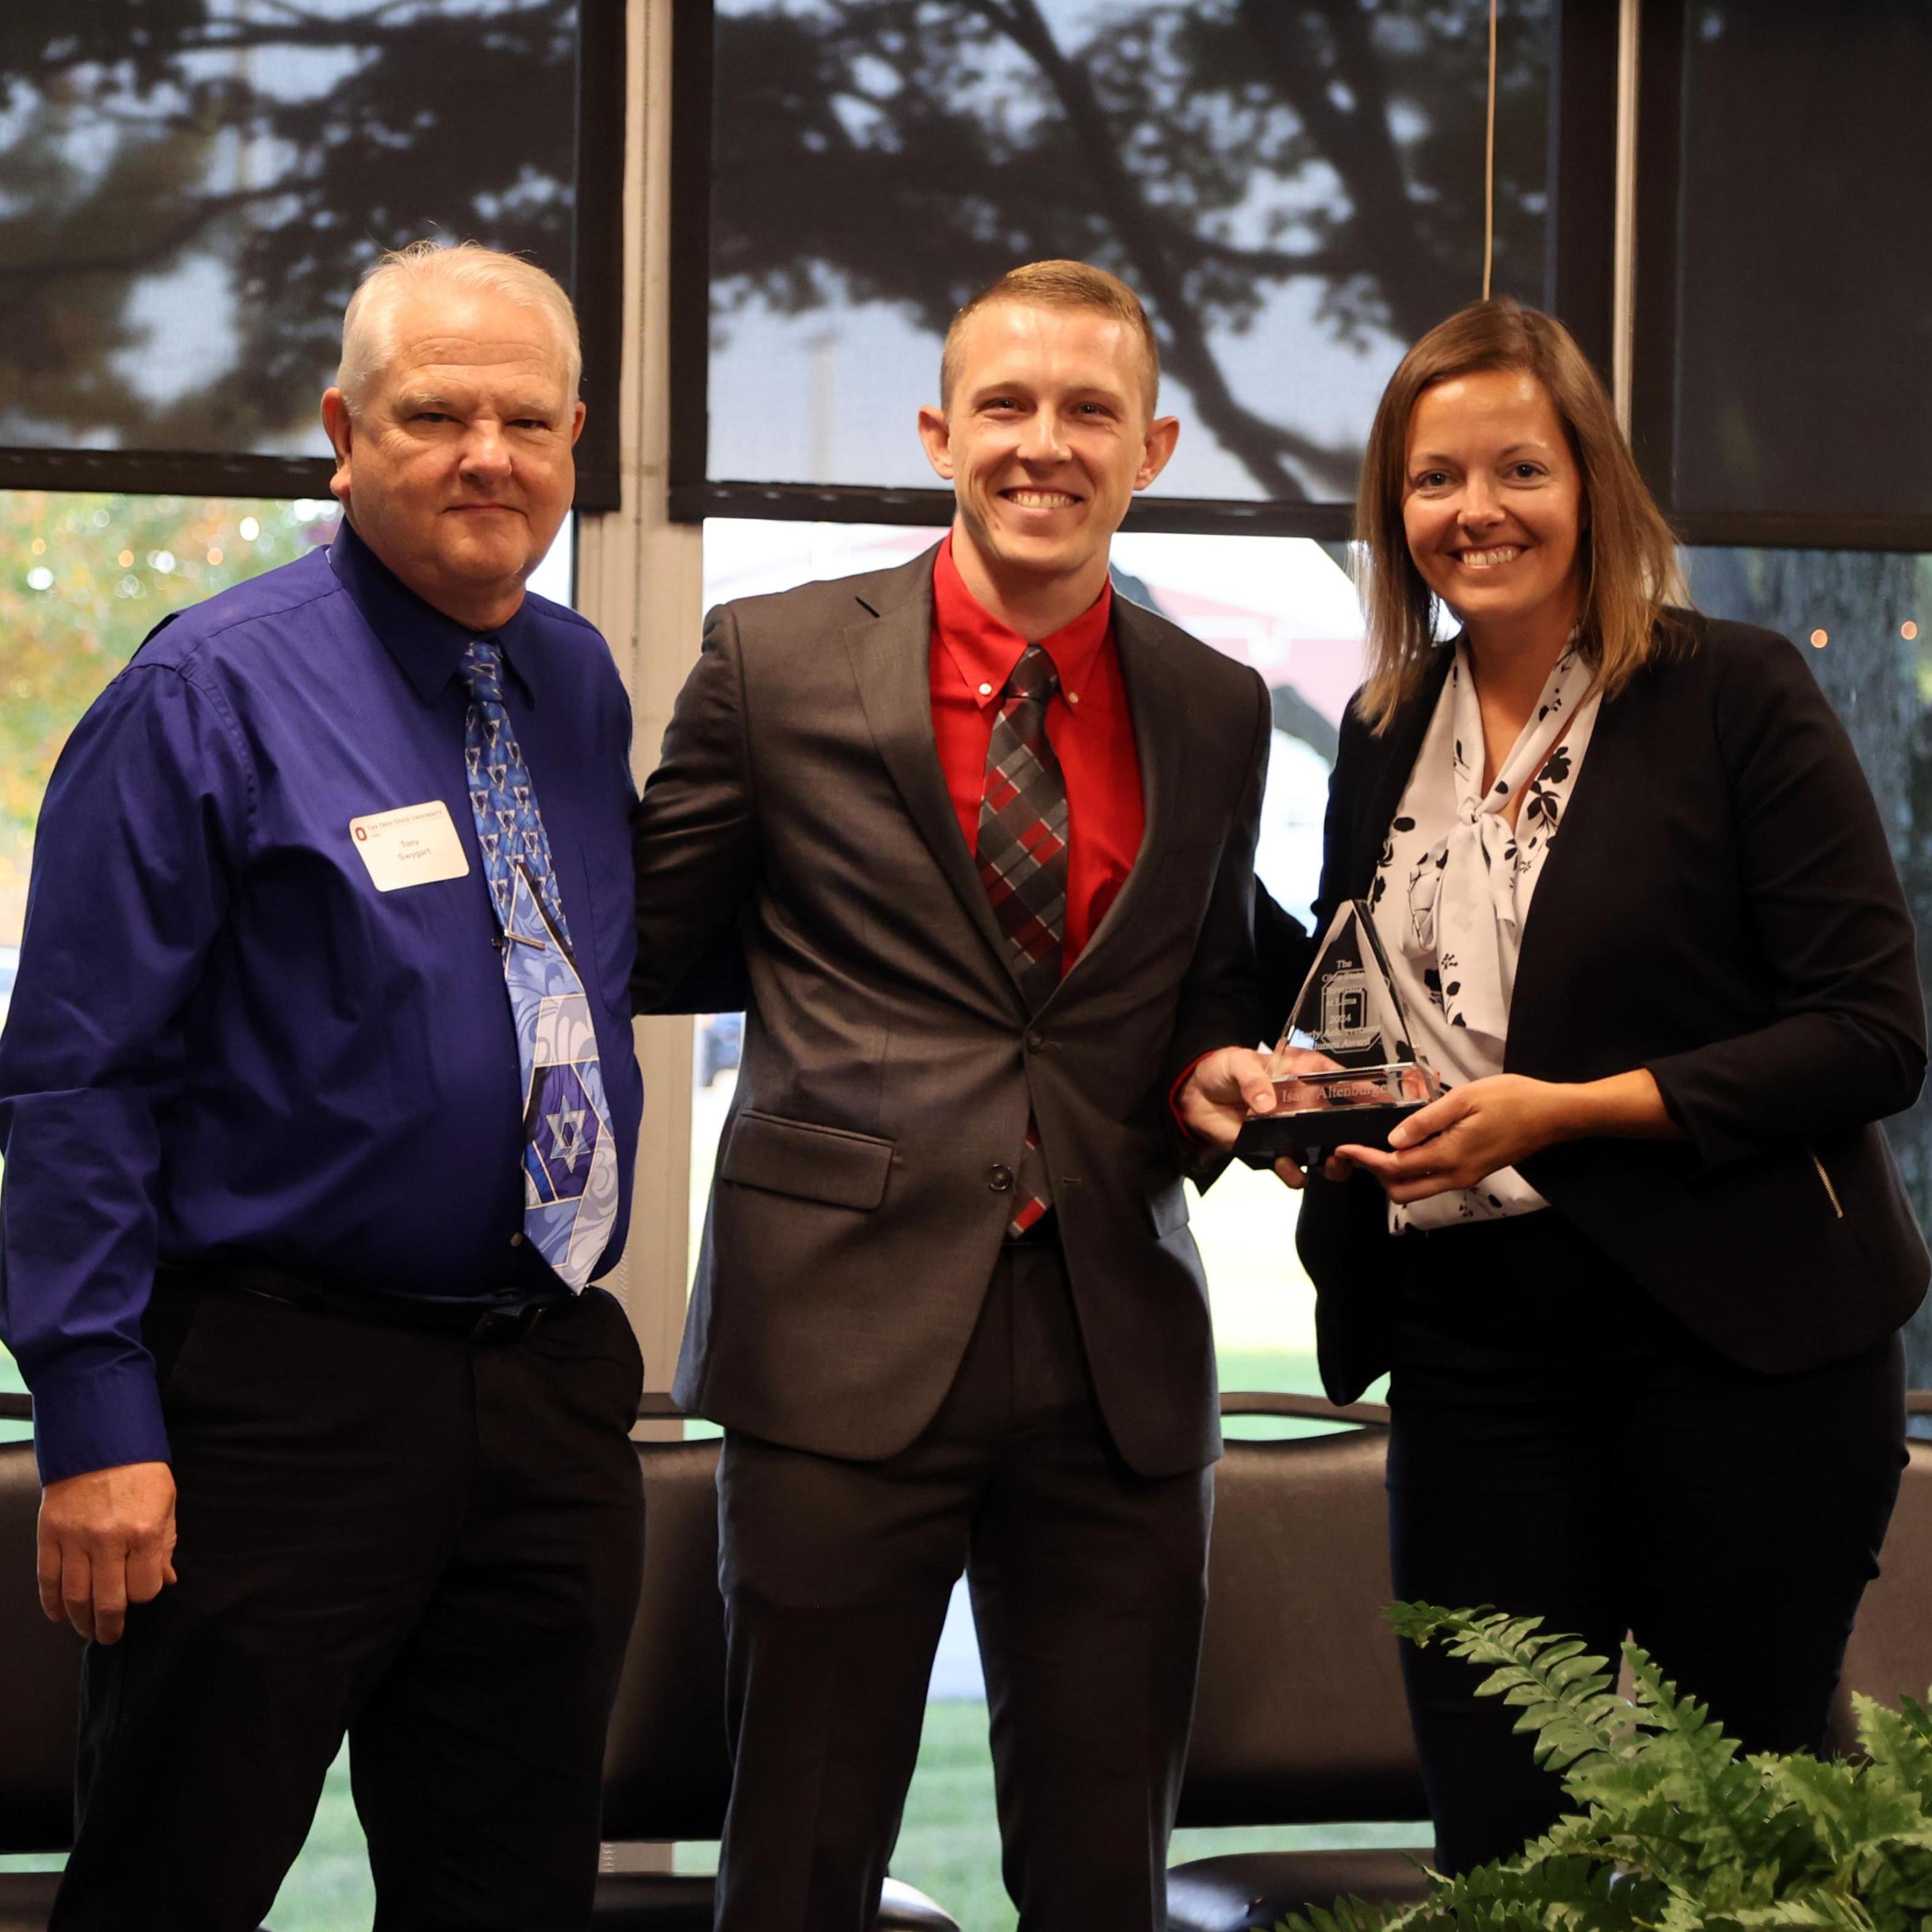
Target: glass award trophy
x=1349, y=1012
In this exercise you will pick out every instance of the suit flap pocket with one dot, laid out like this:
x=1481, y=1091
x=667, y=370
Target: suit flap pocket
x=801, y=1158
x=1167, y=1207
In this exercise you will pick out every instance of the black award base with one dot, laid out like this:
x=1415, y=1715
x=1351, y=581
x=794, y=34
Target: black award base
x=1308, y=1134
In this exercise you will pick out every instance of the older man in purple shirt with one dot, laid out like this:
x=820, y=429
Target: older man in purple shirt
x=318, y=1112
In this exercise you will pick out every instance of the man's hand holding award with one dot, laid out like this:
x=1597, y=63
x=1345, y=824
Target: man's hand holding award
x=1342, y=1074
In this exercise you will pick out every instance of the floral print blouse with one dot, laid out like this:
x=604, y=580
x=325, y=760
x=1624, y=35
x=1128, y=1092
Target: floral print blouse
x=1452, y=888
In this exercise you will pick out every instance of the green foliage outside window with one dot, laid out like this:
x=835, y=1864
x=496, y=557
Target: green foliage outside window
x=83, y=579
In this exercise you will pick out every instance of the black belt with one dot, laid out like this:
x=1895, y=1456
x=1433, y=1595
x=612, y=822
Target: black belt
x=496, y=1324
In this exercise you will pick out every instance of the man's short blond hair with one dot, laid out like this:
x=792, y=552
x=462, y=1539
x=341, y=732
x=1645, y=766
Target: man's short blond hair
x=1063, y=285
x=368, y=325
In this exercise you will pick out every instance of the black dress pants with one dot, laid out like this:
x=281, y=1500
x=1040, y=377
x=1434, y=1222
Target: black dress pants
x=1562, y=1447
x=429, y=1542
x=1088, y=1585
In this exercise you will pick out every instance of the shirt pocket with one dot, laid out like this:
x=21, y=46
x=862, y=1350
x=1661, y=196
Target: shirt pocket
x=601, y=950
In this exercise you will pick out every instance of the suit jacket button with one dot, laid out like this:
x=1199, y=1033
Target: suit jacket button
x=1000, y=1178
x=1035, y=1042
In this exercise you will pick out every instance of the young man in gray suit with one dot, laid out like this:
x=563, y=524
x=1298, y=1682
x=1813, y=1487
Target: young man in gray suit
x=987, y=832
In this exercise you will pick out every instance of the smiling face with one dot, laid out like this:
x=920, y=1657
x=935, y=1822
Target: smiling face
x=1492, y=504
x=1046, y=435
x=456, y=468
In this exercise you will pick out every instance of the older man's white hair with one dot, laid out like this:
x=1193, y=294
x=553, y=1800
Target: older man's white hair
x=368, y=325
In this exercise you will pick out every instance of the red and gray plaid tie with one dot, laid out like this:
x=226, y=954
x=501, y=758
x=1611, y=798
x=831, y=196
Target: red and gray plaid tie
x=1022, y=856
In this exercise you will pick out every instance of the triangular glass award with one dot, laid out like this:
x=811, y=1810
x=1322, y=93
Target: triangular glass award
x=1349, y=1012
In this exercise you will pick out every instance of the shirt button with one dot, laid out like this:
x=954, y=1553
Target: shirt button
x=1000, y=1178
x=516, y=1240
x=985, y=691
x=1073, y=698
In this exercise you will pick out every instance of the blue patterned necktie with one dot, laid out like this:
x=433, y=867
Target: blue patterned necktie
x=570, y=1160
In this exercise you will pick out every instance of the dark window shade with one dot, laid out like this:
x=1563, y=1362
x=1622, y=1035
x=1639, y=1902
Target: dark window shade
x=1801, y=385
x=1294, y=190
x=189, y=189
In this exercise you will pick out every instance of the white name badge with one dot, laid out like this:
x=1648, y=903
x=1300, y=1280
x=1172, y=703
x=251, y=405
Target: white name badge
x=411, y=846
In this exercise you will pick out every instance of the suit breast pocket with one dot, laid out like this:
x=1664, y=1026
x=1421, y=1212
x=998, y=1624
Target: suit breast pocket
x=806, y=1160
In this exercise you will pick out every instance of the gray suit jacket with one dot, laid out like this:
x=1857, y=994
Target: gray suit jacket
x=890, y=1062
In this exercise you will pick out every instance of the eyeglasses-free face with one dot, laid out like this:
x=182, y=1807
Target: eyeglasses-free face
x=1492, y=504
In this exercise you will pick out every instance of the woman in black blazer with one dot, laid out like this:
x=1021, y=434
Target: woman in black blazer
x=1637, y=1278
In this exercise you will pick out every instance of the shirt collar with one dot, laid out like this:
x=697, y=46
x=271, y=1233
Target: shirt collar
x=984, y=651
x=426, y=644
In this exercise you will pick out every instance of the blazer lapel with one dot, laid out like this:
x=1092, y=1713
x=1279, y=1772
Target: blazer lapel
x=1615, y=765
x=890, y=653
x=1156, y=699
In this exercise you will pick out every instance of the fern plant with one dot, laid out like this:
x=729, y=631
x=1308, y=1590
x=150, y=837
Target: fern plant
x=1673, y=1829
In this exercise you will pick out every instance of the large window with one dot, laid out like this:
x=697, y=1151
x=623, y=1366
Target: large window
x=1296, y=191
x=188, y=193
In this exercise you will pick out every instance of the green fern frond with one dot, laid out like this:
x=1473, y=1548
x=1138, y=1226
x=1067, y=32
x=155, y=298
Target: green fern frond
x=1920, y=1716
x=1536, y=1894
x=1854, y=1813
x=1895, y=1886
x=1682, y=1912
x=1564, y=1695
x=1346, y=1915
x=1727, y=1809
x=1668, y=1710
x=1419, y=1623
x=1899, y=1744
x=1823, y=1909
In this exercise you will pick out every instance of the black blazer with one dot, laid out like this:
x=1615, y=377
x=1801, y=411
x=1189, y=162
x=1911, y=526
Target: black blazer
x=891, y=1062
x=1719, y=907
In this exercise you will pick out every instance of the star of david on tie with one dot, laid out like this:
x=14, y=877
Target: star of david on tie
x=570, y=1161
x=1022, y=858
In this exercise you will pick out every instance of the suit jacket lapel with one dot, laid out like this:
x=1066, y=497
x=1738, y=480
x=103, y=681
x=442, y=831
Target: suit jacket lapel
x=890, y=652
x=1157, y=698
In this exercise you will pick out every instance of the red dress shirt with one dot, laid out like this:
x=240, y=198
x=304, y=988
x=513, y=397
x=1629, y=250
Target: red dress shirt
x=974, y=654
